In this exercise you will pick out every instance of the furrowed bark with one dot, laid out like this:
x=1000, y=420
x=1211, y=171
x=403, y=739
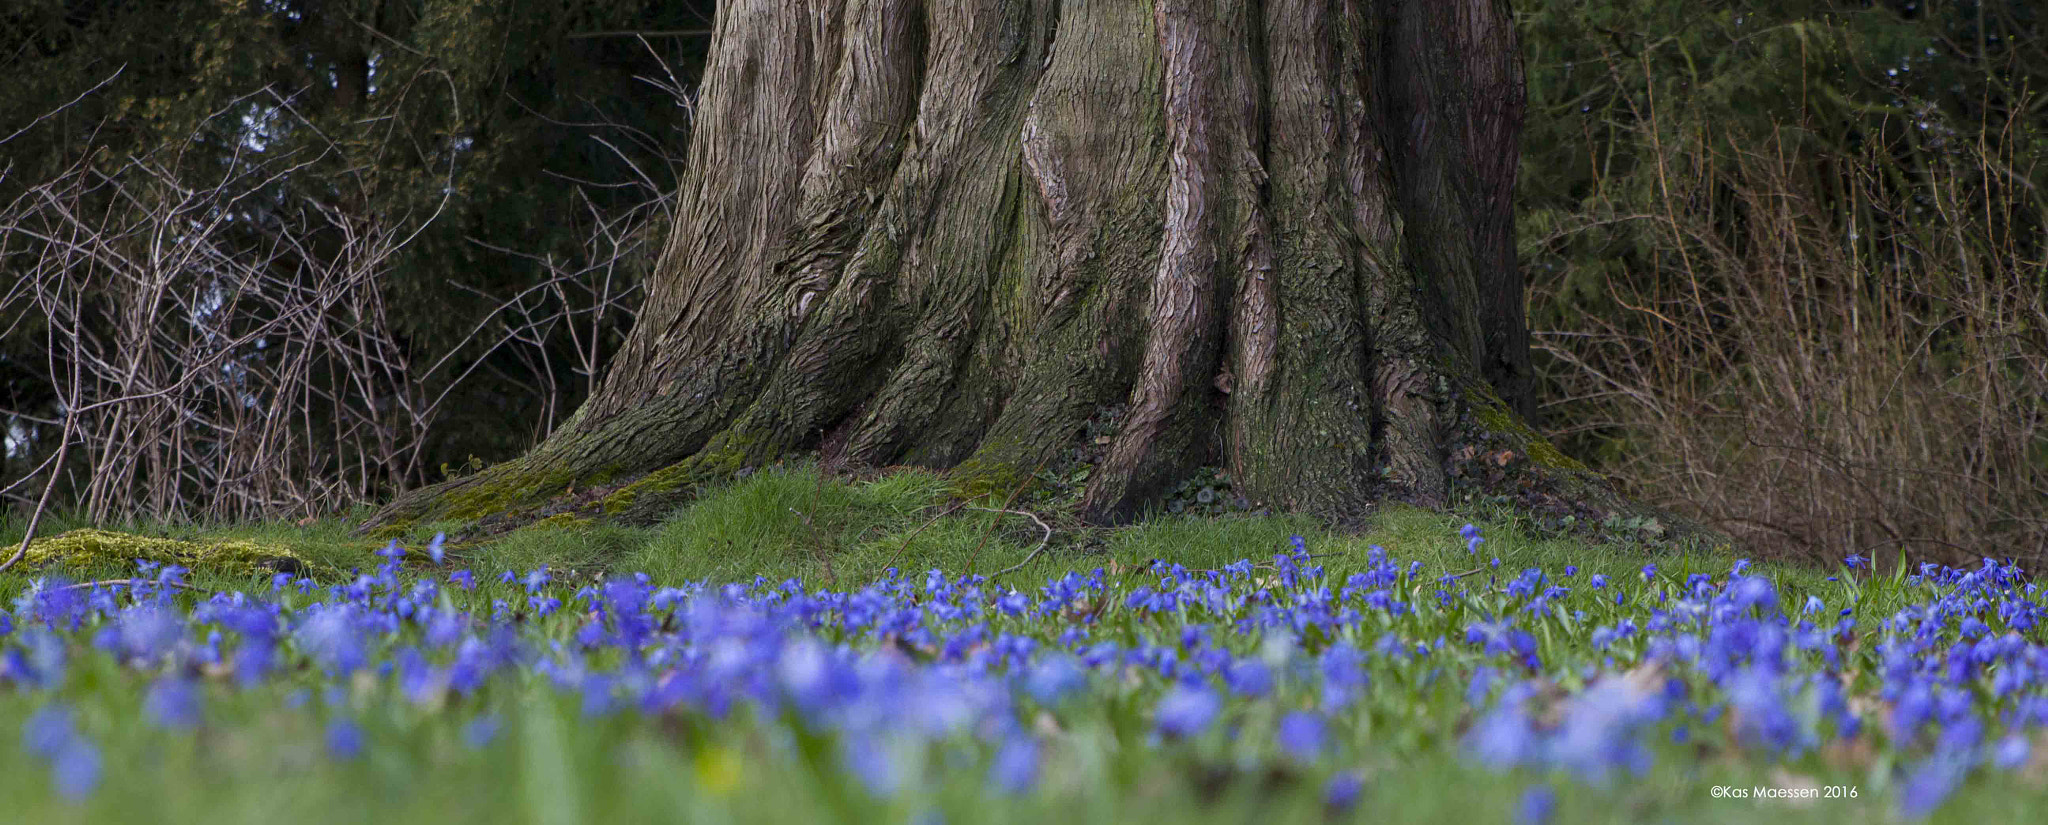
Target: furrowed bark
x=1094, y=149
x=953, y=233
x=1301, y=416
x=1453, y=115
x=1209, y=115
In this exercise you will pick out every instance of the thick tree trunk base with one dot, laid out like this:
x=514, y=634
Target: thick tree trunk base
x=1490, y=457
x=1275, y=236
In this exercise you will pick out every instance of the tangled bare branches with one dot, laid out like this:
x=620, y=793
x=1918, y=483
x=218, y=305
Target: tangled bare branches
x=222, y=349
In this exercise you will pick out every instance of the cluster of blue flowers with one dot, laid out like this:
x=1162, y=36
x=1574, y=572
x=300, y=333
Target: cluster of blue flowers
x=1950, y=683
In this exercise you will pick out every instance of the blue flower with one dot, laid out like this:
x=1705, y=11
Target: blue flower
x=1186, y=711
x=1249, y=677
x=76, y=769
x=434, y=547
x=1599, y=732
x=878, y=767
x=1503, y=738
x=1053, y=677
x=74, y=760
x=149, y=632
x=173, y=703
x=2012, y=752
x=1015, y=768
x=48, y=730
x=480, y=731
x=344, y=739
x=1930, y=784
x=1538, y=805
x=1301, y=735
x=1343, y=790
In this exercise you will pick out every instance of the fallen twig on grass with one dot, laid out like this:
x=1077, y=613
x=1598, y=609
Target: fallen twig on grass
x=134, y=583
x=913, y=534
x=1034, y=551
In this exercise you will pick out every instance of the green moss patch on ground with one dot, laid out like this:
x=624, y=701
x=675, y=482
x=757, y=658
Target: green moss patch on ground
x=90, y=549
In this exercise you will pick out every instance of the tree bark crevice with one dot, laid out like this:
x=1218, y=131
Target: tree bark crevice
x=952, y=233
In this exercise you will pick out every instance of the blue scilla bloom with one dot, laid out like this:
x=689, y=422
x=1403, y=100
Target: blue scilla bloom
x=1249, y=677
x=1470, y=533
x=1599, y=732
x=1504, y=738
x=74, y=760
x=1930, y=783
x=149, y=632
x=1537, y=806
x=173, y=703
x=878, y=765
x=1053, y=677
x=479, y=732
x=1480, y=687
x=332, y=635
x=39, y=662
x=1186, y=711
x=344, y=739
x=1756, y=592
x=1301, y=735
x=1343, y=790
x=48, y=731
x=76, y=769
x=1763, y=717
x=1015, y=767
x=434, y=550
x=2012, y=752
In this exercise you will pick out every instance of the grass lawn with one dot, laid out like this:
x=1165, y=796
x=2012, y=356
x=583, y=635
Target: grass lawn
x=768, y=664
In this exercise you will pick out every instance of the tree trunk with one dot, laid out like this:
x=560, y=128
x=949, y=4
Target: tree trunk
x=1274, y=236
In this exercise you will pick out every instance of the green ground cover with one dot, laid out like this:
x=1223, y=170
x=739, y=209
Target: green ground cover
x=1186, y=669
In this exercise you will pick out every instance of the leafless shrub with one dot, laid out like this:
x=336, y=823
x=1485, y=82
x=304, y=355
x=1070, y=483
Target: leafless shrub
x=224, y=352
x=1855, y=362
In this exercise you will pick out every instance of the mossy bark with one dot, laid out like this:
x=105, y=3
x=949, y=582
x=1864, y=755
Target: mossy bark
x=951, y=233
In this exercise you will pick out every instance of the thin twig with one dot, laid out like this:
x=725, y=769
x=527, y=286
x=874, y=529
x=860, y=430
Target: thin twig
x=1034, y=551
x=134, y=583
x=913, y=534
x=63, y=445
x=1021, y=484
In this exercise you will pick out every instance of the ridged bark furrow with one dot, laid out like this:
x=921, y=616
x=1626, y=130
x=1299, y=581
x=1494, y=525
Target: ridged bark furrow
x=952, y=232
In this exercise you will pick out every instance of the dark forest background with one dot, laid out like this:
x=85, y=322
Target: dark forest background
x=274, y=258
